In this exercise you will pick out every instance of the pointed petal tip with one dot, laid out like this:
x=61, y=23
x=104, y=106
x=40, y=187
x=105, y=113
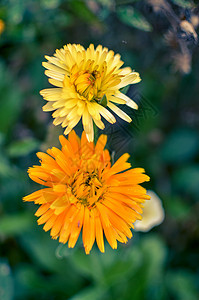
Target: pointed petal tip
x=67, y=130
x=25, y=198
x=61, y=138
x=90, y=138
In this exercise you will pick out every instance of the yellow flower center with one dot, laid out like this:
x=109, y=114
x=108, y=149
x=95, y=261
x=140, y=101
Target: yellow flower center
x=85, y=83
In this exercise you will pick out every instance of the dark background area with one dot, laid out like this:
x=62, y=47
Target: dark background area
x=159, y=40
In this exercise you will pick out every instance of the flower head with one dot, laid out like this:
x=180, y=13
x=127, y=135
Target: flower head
x=85, y=193
x=153, y=213
x=87, y=82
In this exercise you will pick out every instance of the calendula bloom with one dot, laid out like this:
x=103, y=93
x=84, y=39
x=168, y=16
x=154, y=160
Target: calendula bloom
x=153, y=213
x=87, y=83
x=85, y=193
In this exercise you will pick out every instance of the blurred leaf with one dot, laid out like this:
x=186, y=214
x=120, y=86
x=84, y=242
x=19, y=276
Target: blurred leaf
x=83, y=263
x=30, y=282
x=92, y=293
x=23, y=147
x=15, y=224
x=41, y=248
x=63, y=251
x=63, y=19
x=186, y=179
x=11, y=100
x=124, y=264
x=15, y=12
x=118, y=271
x=5, y=167
x=183, y=3
x=109, y=257
x=98, y=265
x=151, y=273
x=6, y=282
x=13, y=190
x=2, y=139
x=27, y=280
x=107, y=267
x=181, y=145
x=154, y=253
x=81, y=10
x=145, y=280
x=50, y=4
x=182, y=285
x=177, y=208
x=131, y=17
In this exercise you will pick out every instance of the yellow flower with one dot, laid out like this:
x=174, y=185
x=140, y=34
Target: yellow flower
x=2, y=26
x=85, y=193
x=153, y=213
x=87, y=81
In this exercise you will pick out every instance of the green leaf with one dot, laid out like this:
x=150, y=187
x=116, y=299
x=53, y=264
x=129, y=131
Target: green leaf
x=131, y=17
x=6, y=282
x=15, y=224
x=23, y=147
x=125, y=89
x=181, y=145
x=103, y=101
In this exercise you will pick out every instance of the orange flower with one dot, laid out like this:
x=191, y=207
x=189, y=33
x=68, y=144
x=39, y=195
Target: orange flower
x=85, y=193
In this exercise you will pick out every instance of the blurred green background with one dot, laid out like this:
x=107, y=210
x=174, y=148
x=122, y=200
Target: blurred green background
x=158, y=39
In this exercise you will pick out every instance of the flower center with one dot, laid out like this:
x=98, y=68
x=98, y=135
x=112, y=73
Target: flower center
x=87, y=187
x=85, y=83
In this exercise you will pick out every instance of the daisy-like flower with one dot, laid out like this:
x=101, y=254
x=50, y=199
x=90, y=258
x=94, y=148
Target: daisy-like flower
x=87, y=83
x=85, y=193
